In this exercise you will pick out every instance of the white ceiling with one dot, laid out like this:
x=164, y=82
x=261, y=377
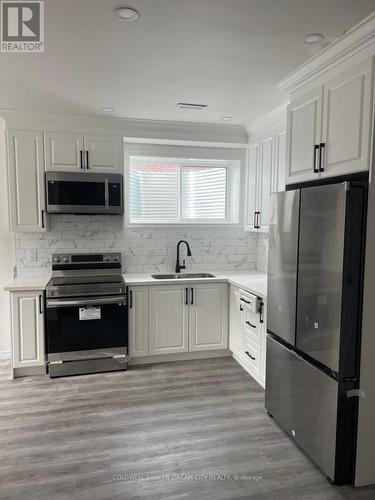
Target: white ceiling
x=225, y=53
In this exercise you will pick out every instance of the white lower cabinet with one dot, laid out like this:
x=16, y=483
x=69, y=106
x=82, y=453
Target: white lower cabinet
x=247, y=333
x=208, y=317
x=138, y=321
x=27, y=329
x=169, y=319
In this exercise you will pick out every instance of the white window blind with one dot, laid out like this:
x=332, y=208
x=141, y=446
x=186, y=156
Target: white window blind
x=183, y=190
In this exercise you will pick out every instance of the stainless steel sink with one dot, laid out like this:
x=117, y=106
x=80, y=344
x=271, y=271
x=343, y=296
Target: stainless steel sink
x=176, y=276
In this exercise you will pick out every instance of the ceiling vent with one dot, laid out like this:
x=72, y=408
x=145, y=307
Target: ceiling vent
x=189, y=105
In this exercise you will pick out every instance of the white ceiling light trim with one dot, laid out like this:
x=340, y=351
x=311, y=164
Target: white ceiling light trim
x=313, y=38
x=126, y=13
x=227, y=118
x=107, y=109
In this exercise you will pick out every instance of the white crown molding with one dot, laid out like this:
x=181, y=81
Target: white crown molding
x=272, y=118
x=353, y=41
x=128, y=127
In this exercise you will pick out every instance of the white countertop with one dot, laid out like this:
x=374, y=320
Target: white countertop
x=24, y=284
x=252, y=281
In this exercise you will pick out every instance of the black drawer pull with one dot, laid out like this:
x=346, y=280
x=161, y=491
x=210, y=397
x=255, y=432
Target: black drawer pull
x=250, y=324
x=250, y=356
x=246, y=301
x=241, y=308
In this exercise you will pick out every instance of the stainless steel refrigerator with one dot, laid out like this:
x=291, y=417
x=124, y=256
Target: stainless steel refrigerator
x=315, y=280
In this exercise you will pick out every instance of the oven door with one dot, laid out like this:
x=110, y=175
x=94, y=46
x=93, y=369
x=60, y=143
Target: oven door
x=86, y=328
x=83, y=193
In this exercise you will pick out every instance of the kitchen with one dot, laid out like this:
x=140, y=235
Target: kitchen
x=186, y=294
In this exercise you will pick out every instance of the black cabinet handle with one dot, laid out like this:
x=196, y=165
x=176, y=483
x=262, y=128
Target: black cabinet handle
x=246, y=301
x=261, y=312
x=40, y=304
x=250, y=356
x=316, y=149
x=321, y=157
x=250, y=324
x=81, y=158
x=255, y=222
x=192, y=296
x=241, y=308
x=258, y=220
x=87, y=160
x=43, y=225
x=130, y=299
x=186, y=296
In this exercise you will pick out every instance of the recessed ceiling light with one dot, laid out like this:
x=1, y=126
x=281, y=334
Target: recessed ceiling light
x=189, y=105
x=126, y=13
x=108, y=110
x=227, y=118
x=313, y=38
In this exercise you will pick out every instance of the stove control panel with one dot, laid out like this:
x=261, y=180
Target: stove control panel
x=74, y=260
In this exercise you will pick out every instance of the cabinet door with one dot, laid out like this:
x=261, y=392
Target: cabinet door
x=304, y=117
x=27, y=329
x=104, y=153
x=63, y=151
x=208, y=317
x=252, y=186
x=279, y=164
x=26, y=178
x=138, y=321
x=265, y=182
x=235, y=327
x=168, y=319
x=347, y=121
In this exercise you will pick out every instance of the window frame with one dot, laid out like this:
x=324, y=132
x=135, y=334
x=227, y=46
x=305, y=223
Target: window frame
x=224, y=155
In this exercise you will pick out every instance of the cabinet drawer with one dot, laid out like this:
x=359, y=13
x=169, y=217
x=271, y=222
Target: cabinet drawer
x=252, y=356
x=249, y=302
x=251, y=331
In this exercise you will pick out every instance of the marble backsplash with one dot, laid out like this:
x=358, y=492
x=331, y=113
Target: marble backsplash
x=142, y=249
x=262, y=252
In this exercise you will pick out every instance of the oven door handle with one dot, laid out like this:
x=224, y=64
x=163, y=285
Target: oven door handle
x=86, y=302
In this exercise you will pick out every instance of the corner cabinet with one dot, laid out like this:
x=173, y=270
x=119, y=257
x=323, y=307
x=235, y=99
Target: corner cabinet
x=265, y=175
x=26, y=180
x=208, y=317
x=74, y=152
x=329, y=127
x=27, y=329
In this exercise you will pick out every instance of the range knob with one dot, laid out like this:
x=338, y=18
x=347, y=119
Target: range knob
x=65, y=259
x=115, y=258
x=107, y=258
x=56, y=258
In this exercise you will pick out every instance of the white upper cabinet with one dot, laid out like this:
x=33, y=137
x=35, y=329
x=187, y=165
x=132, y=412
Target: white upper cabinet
x=138, y=321
x=329, y=128
x=304, y=117
x=26, y=179
x=168, y=319
x=64, y=151
x=265, y=177
x=27, y=329
x=279, y=173
x=347, y=122
x=77, y=152
x=103, y=153
x=208, y=317
x=252, y=185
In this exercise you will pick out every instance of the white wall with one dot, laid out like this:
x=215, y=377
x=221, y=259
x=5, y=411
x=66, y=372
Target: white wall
x=6, y=248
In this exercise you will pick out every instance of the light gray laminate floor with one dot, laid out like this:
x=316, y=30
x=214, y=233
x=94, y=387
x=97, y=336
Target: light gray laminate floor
x=84, y=437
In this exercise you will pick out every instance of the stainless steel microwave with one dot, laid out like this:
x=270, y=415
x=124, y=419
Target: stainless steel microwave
x=84, y=193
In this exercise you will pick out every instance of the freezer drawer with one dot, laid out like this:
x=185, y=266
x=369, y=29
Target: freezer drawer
x=304, y=402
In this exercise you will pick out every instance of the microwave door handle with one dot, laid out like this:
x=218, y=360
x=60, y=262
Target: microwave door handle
x=106, y=194
x=86, y=302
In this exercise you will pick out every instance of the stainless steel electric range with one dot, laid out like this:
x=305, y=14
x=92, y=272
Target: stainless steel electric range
x=86, y=315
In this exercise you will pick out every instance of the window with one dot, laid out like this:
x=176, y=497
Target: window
x=181, y=190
